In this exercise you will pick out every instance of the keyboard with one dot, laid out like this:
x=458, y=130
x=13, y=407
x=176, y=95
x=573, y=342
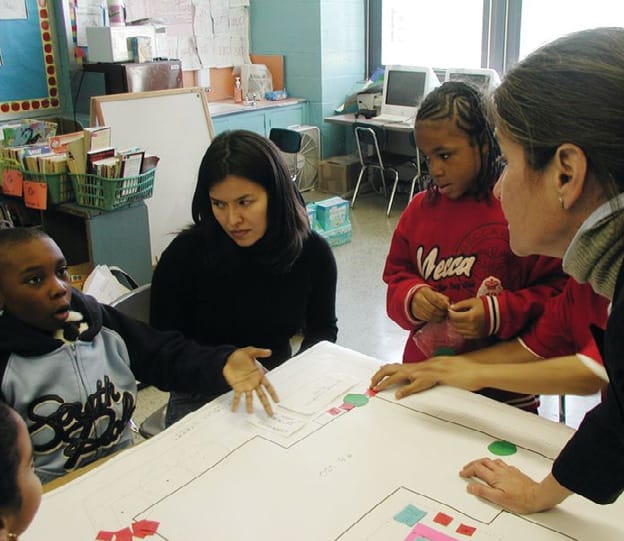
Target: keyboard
x=395, y=119
x=390, y=118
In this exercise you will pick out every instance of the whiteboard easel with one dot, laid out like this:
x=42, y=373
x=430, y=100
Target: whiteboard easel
x=174, y=125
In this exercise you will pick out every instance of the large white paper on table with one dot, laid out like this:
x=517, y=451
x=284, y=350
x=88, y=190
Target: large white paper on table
x=382, y=471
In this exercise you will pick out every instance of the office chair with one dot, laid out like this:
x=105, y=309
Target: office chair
x=370, y=140
x=289, y=142
x=136, y=304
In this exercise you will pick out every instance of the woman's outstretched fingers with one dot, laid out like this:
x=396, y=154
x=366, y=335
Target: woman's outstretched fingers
x=249, y=401
x=269, y=388
x=236, y=400
x=264, y=400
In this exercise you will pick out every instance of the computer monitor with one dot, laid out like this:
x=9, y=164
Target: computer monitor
x=404, y=89
x=484, y=78
x=441, y=74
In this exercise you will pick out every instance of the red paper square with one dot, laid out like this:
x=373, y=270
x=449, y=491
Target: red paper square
x=465, y=529
x=144, y=527
x=123, y=535
x=105, y=536
x=443, y=518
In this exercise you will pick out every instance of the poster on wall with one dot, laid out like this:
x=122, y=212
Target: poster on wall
x=13, y=9
x=201, y=33
x=28, y=73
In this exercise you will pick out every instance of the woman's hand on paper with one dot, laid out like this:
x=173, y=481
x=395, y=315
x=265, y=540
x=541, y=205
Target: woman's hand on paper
x=429, y=305
x=394, y=374
x=246, y=375
x=508, y=487
x=455, y=371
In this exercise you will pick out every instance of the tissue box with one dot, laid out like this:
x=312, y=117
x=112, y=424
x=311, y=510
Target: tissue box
x=332, y=213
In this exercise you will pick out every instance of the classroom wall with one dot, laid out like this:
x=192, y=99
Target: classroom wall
x=324, y=53
x=322, y=42
x=28, y=63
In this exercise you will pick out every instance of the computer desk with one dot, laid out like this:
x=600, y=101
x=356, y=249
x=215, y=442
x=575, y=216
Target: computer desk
x=397, y=133
x=349, y=119
x=333, y=464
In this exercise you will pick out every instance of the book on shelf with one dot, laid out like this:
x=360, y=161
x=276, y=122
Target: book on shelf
x=23, y=132
x=107, y=167
x=95, y=155
x=31, y=157
x=60, y=143
x=18, y=154
x=97, y=138
x=77, y=155
x=53, y=164
x=131, y=162
x=149, y=162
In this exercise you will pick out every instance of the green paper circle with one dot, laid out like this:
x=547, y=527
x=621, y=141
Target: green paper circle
x=502, y=448
x=356, y=399
x=443, y=352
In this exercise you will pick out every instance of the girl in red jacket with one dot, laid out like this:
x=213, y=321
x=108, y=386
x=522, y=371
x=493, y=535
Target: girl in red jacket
x=453, y=280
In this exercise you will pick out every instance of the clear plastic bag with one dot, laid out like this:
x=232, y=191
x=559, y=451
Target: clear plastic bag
x=256, y=80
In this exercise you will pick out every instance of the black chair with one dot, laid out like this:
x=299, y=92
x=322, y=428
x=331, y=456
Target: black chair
x=289, y=142
x=371, y=141
x=136, y=304
x=417, y=179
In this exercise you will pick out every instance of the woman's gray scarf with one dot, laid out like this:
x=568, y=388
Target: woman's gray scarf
x=596, y=252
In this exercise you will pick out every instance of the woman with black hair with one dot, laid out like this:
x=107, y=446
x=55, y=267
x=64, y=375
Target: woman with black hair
x=250, y=270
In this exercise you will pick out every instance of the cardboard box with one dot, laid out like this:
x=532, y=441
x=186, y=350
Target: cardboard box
x=78, y=274
x=338, y=174
x=332, y=213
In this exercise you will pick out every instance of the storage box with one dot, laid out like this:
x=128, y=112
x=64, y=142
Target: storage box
x=78, y=274
x=338, y=174
x=110, y=43
x=311, y=209
x=98, y=192
x=337, y=235
x=60, y=189
x=332, y=213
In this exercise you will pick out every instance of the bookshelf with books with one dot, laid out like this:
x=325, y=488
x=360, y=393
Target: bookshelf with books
x=87, y=236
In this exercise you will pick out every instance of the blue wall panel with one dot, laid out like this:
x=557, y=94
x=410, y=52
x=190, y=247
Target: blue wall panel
x=323, y=46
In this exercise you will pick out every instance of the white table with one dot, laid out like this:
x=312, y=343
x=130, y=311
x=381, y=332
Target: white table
x=315, y=474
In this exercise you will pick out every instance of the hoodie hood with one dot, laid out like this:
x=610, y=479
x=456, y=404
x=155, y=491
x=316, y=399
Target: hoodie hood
x=18, y=337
